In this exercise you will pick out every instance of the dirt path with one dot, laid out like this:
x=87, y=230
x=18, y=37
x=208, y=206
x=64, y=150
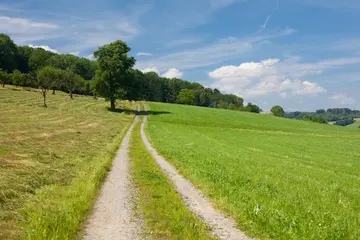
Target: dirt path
x=223, y=227
x=112, y=216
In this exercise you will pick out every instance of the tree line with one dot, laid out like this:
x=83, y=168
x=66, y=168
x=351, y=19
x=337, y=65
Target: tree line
x=341, y=116
x=111, y=75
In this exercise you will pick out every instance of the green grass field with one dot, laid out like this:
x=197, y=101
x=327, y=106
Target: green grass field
x=52, y=160
x=165, y=214
x=278, y=178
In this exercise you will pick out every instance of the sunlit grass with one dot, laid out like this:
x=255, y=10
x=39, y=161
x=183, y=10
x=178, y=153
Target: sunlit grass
x=52, y=160
x=279, y=178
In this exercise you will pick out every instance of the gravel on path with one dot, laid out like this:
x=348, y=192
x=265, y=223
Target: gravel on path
x=112, y=216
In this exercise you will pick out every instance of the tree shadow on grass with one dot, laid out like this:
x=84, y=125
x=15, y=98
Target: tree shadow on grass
x=139, y=113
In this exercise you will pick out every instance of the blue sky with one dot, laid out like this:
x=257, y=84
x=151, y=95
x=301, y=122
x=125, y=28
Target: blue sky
x=301, y=54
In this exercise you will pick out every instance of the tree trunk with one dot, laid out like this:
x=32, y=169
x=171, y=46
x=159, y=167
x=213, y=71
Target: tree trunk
x=44, y=95
x=112, y=101
x=53, y=91
x=3, y=85
x=71, y=95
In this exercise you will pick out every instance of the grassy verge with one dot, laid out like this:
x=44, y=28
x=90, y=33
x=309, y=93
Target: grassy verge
x=278, y=178
x=53, y=160
x=161, y=206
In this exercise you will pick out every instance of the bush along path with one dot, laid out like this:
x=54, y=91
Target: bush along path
x=113, y=215
x=223, y=227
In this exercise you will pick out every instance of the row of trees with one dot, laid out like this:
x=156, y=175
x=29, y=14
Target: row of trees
x=345, y=122
x=111, y=76
x=279, y=112
x=342, y=116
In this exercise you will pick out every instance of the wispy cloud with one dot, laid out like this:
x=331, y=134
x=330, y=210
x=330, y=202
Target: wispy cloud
x=146, y=54
x=185, y=41
x=221, y=3
x=269, y=16
x=342, y=98
x=211, y=53
x=25, y=30
x=70, y=33
x=19, y=25
x=216, y=4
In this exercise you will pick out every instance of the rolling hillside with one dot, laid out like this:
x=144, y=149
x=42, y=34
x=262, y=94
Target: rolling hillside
x=279, y=178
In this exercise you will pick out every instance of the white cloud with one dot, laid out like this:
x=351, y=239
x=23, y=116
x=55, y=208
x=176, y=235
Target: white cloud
x=146, y=54
x=251, y=79
x=306, y=88
x=151, y=69
x=170, y=73
x=248, y=69
x=76, y=53
x=47, y=48
x=342, y=99
x=24, y=30
x=72, y=35
x=173, y=73
x=91, y=57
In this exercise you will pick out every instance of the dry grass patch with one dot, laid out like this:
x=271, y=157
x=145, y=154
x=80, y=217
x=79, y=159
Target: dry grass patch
x=52, y=160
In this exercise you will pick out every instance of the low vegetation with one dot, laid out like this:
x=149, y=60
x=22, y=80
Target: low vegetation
x=345, y=122
x=356, y=124
x=52, y=160
x=165, y=214
x=279, y=178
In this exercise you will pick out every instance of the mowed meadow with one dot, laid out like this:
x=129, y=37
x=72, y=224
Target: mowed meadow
x=53, y=160
x=278, y=178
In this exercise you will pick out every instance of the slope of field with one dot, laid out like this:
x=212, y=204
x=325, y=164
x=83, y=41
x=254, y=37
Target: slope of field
x=52, y=160
x=355, y=124
x=279, y=178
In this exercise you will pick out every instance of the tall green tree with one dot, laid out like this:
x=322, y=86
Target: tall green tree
x=278, y=111
x=38, y=59
x=113, y=73
x=8, y=53
x=4, y=78
x=186, y=96
x=85, y=68
x=46, y=80
x=71, y=81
